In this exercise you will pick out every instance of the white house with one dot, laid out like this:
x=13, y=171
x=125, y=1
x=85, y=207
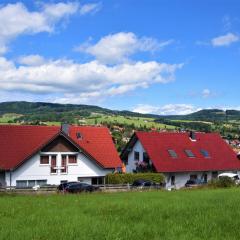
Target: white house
x=38, y=155
x=180, y=156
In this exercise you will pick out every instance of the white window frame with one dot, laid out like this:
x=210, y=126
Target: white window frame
x=58, y=161
x=56, y=167
x=72, y=164
x=44, y=164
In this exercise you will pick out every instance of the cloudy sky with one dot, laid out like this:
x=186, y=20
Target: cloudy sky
x=150, y=56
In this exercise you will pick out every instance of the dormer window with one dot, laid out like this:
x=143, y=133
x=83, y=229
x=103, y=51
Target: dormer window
x=205, y=153
x=172, y=153
x=189, y=153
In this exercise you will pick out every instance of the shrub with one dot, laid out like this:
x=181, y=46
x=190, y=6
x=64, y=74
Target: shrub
x=124, y=178
x=223, y=182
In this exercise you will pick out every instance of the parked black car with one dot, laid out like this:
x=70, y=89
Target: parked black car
x=194, y=183
x=63, y=186
x=143, y=183
x=80, y=187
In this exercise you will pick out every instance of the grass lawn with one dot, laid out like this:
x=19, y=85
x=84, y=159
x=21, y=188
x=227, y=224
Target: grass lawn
x=196, y=214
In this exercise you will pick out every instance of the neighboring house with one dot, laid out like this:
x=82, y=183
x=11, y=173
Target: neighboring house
x=38, y=155
x=180, y=156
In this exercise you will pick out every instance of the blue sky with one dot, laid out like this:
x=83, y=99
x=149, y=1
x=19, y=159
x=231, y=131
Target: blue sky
x=150, y=56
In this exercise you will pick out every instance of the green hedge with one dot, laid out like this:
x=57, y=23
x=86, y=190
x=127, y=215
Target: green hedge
x=124, y=178
x=223, y=182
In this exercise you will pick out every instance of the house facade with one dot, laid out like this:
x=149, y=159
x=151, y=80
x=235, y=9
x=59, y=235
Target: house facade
x=180, y=156
x=39, y=155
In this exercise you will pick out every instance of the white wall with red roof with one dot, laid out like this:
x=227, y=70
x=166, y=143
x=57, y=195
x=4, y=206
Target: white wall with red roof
x=131, y=166
x=160, y=149
x=85, y=169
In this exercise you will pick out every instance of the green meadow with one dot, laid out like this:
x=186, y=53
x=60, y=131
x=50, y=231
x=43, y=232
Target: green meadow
x=136, y=121
x=193, y=214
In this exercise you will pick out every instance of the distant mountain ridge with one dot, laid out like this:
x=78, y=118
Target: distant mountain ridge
x=44, y=110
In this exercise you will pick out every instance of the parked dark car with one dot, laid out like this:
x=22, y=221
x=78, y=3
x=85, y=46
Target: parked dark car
x=194, y=183
x=63, y=186
x=80, y=187
x=140, y=183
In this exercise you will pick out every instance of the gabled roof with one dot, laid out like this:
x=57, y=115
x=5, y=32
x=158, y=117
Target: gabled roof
x=97, y=141
x=156, y=144
x=18, y=143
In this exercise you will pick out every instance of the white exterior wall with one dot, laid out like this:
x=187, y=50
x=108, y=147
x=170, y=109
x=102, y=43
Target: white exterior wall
x=183, y=177
x=131, y=161
x=33, y=170
x=180, y=178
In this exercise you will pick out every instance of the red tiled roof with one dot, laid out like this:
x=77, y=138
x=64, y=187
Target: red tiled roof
x=156, y=144
x=97, y=141
x=18, y=143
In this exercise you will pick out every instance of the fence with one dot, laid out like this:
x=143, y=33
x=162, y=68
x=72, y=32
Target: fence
x=53, y=189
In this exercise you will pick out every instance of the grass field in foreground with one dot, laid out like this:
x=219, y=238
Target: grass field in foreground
x=196, y=214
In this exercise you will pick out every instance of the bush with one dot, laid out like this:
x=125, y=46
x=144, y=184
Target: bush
x=124, y=178
x=223, y=182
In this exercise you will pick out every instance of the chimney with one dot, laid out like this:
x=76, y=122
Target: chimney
x=192, y=135
x=65, y=128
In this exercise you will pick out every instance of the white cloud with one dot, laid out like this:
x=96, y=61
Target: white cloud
x=90, y=8
x=169, y=109
x=91, y=80
x=225, y=40
x=31, y=60
x=116, y=48
x=16, y=19
x=206, y=93
x=58, y=10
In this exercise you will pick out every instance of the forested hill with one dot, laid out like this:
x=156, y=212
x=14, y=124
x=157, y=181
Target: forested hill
x=42, y=109
x=208, y=115
x=67, y=112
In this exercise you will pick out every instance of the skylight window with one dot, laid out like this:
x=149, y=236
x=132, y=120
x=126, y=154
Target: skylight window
x=78, y=135
x=189, y=153
x=205, y=153
x=172, y=153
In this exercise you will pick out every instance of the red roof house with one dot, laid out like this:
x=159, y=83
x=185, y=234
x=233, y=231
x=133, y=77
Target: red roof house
x=174, y=153
x=20, y=144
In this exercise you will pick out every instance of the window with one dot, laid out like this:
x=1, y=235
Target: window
x=44, y=159
x=31, y=183
x=64, y=164
x=41, y=182
x=21, y=183
x=53, y=164
x=72, y=159
x=205, y=153
x=193, y=177
x=205, y=177
x=214, y=175
x=189, y=153
x=172, y=153
x=136, y=156
x=173, y=180
x=97, y=181
x=79, y=135
x=145, y=157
